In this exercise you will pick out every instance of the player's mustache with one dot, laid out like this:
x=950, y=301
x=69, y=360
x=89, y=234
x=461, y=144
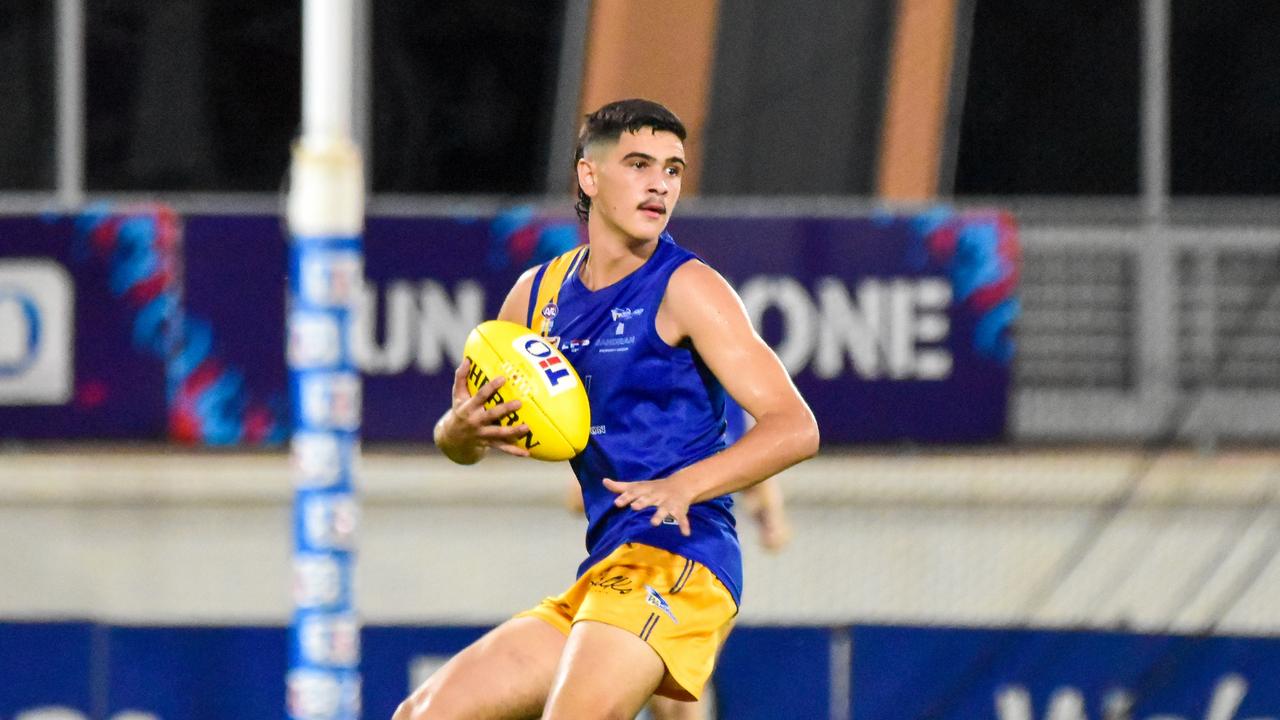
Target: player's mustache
x=655, y=204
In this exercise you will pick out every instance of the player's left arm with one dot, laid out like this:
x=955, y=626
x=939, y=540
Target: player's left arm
x=701, y=306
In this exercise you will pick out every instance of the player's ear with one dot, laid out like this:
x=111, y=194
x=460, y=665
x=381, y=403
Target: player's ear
x=587, y=177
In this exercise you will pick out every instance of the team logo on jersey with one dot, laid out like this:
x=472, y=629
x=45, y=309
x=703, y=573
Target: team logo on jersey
x=625, y=314
x=551, y=310
x=621, y=316
x=654, y=598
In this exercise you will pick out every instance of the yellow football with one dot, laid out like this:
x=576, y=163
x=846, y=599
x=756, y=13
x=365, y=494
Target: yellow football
x=553, y=401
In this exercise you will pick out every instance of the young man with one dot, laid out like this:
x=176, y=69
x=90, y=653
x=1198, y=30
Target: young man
x=658, y=592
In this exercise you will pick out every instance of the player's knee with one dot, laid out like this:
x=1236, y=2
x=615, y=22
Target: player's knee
x=404, y=711
x=662, y=708
x=418, y=707
x=424, y=704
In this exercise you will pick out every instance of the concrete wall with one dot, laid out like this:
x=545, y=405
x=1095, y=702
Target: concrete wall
x=1093, y=537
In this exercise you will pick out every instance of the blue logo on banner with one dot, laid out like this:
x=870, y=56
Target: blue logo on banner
x=26, y=316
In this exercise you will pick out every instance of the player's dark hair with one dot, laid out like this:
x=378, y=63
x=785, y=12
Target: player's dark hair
x=609, y=122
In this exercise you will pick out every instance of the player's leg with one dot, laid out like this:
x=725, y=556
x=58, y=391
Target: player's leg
x=605, y=673
x=664, y=708
x=505, y=674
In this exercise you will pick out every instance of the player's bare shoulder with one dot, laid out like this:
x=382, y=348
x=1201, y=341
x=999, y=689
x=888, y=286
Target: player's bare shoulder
x=698, y=295
x=515, y=308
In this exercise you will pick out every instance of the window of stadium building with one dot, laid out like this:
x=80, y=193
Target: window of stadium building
x=1225, y=98
x=199, y=95
x=463, y=95
x=27, y=95
x=1040, y=117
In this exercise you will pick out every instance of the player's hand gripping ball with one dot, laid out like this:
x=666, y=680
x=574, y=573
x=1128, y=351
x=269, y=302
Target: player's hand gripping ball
x=553, y=401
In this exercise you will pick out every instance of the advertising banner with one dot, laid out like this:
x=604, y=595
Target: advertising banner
x=82, y=333
x=78, y=671
x=958, y=674
x=895, y=328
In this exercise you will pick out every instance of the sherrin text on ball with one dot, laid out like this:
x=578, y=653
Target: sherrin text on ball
x=552, y=396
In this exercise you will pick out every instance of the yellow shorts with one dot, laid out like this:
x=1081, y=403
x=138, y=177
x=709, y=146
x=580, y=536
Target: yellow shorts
x=676, y=605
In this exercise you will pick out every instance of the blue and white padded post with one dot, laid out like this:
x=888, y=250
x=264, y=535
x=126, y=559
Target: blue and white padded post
x=326, y=272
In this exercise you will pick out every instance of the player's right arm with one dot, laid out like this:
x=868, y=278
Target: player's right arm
x=467, y=430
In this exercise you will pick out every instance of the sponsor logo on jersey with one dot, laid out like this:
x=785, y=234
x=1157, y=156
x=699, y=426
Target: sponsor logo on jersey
x=616, y=344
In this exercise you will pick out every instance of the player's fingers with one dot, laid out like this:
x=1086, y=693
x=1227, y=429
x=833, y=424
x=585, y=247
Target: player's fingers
x=683, y=520
x=641, y=503
x=503, y=434
x=497, y=412
x=488, y=390
x=460, y=380
x=626, y=491
x=476, y=402
x=510, y=449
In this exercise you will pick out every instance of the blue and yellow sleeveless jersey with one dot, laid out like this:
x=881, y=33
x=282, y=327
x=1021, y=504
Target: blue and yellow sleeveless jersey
x=654, y=408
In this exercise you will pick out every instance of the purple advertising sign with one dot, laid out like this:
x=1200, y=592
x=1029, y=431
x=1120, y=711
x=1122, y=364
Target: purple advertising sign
x=80, y=356
x=894, y=328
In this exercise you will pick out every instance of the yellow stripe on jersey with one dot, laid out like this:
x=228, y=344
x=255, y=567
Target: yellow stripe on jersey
x=548, y=289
